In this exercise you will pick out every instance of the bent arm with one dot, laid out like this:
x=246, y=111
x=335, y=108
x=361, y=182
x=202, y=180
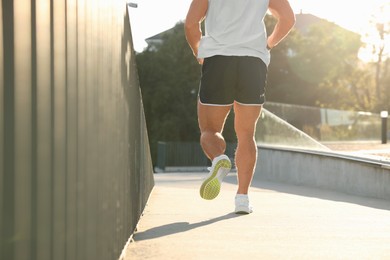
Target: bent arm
x=284, y=14
x=193, y=31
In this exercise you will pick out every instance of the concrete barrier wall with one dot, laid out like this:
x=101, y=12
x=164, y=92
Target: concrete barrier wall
x=75, y=166
x=325, y=170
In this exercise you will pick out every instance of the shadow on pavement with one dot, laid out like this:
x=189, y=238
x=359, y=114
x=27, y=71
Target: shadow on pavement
x=315, y=192
x=178, y=227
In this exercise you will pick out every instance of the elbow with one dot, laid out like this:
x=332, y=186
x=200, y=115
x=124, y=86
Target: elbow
x=191, y=27
x=290, y=20
x=187, y=27
x=190, y=24
x=286, y=20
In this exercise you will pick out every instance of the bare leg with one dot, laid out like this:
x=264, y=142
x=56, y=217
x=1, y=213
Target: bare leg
x=246, y=154
x=211, y=122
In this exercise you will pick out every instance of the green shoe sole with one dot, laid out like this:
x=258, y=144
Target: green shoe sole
x=211, y=186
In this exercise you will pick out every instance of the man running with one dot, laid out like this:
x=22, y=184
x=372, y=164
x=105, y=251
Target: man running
x=234, y=53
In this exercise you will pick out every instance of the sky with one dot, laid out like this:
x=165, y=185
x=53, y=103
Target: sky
x=154, y=16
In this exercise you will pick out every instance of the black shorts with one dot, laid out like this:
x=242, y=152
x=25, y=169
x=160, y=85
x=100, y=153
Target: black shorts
x=226, y=79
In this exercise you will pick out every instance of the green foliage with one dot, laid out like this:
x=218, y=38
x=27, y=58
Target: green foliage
x=378, y=42
x=315, y=68
x=326, y=51
x=169, y=79
x=284, y=84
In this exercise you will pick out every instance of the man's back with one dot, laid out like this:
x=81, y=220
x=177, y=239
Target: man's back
x=235, y=28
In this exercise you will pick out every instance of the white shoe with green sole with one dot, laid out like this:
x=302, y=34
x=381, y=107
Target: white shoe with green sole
x=212, y=184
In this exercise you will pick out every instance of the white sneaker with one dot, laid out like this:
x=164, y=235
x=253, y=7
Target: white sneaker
x=242, y=204
x=212, y=184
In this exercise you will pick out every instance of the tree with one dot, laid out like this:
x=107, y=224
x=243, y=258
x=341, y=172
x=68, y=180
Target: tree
x=282, y=83
x=348, y=83
x=169, y=79
x=316, y=67
x=380, y=38
x=351, y=90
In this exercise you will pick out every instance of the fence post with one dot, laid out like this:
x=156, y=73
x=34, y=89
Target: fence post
x=161, y=155
x=384, y=116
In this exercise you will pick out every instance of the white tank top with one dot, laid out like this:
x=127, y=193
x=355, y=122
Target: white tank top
x=235, y=28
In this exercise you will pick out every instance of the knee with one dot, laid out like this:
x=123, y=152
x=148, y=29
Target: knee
x=247, y=140
x=245, y=134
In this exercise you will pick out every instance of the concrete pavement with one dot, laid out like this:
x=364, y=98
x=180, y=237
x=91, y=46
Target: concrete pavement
x=289, y=222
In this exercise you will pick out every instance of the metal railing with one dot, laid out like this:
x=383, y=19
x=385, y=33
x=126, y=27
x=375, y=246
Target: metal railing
x=186, y=155
x=75, y=166
x=330, y=124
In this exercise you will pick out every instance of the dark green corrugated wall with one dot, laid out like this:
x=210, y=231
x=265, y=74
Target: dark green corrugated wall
x=75, y=167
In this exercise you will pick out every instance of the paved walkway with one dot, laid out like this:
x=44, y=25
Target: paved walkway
x=289, y=222
x=374, y=150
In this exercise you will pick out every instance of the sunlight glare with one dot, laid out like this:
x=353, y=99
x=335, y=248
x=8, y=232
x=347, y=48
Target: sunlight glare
x=352, y=15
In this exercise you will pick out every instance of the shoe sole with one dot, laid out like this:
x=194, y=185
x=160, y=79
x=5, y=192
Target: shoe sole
x=243, y=211
x=212, y=185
